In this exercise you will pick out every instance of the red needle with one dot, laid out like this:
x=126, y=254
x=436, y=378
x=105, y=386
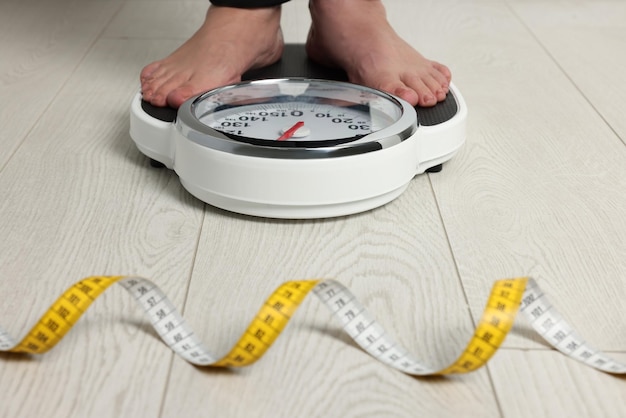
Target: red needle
x=291, y=131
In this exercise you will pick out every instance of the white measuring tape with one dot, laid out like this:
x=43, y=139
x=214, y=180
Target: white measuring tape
x=507, y=297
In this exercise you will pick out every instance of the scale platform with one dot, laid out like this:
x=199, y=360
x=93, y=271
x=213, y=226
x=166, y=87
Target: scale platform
x=257, y=180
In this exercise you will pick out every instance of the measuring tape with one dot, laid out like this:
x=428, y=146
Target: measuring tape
x=506, y=298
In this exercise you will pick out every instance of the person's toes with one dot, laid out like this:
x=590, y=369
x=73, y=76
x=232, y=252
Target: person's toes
x=407, y=94
x=401, y=90
x=148, y=70
x=157, y=99
x=147, y=91
x=157, y=93
x=444, y=71
x=164, y=87
x=435, y=87
x=153, y=93
x=438, y=80
x=442, y=81
x=427, y=97
x=428, y=87
x=151, y=84
x=180, y=95
x=416, y=91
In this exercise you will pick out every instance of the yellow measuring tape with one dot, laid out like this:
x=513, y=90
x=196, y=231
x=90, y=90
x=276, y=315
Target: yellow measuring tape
x=507, y=297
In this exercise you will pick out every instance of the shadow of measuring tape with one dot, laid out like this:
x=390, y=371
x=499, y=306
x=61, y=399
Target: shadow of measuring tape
x=506, y=299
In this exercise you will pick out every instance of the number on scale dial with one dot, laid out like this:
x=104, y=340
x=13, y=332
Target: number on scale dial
x=314, y=121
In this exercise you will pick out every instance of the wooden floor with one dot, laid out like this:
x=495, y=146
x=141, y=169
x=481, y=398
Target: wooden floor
x=538, y=189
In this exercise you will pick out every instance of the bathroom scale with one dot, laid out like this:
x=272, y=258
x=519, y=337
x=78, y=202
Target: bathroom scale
x=296, y=140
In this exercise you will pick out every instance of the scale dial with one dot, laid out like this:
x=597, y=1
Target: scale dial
x=300, y=121
x=296, y=118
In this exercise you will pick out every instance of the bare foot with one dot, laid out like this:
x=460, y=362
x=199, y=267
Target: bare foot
x=230, y=42
x=355, y=36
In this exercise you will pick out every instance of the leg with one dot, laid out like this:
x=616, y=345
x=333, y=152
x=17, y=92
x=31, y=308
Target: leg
x=355, y=35
x=230, y=42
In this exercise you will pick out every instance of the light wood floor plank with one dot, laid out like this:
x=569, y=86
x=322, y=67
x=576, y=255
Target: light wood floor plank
x=42, y=42
x=588, y=39
x=398, y=261
x=166, y=19
x=79, y=199
x=546, y=384
x=538, y=188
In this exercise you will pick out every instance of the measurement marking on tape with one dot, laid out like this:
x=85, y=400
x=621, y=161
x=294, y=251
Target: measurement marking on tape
x=506, y=298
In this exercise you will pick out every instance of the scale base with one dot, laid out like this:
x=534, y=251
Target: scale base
x=434, y=169
x=280, y=211
x=440, y=134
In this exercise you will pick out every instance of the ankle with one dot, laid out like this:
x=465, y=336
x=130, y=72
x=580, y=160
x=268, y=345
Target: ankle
x=262, y=14
x=254, y=26
x=337, y=7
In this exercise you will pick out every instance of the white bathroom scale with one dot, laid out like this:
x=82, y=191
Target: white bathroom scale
x=296, y=140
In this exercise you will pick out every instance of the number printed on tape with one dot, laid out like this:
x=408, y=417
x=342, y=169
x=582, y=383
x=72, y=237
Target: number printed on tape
x=506, y=298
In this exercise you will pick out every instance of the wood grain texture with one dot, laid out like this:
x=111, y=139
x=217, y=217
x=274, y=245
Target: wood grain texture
x=42, y=44
x=166, y=20
x=540, y=383
x=79, y=199
x=587, y=40
x=538, y=189
x=395, y=258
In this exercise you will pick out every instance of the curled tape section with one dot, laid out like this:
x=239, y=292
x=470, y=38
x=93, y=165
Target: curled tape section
x=506, y=298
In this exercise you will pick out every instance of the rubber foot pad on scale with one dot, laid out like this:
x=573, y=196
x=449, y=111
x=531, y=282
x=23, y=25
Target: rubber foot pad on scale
x=156, y=164
x=435, y=169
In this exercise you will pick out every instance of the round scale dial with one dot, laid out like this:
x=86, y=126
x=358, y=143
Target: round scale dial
x=323, y=117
